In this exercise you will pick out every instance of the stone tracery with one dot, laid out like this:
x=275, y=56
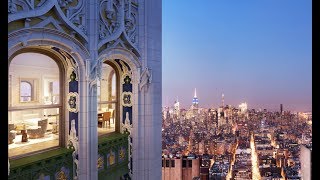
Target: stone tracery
x=67, y=13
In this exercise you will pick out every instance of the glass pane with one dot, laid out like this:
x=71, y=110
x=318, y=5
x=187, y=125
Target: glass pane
x=51, y=91
x=32, y=130
x=106, y=98
x=113, y=87
x=25, y=91
x=107, y=118
x=34, y=80
x=107, y=85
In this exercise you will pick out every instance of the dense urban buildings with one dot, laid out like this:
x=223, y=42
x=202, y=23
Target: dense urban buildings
x=228, y=142
x=84, y=89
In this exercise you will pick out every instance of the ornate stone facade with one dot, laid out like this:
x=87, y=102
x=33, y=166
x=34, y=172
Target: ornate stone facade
x=81, y=35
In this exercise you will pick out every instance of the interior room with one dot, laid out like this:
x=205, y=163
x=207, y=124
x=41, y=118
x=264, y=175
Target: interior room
x=34, y=104
x=107, y=100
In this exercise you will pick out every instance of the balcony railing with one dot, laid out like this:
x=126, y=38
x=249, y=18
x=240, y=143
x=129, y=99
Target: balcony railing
x=53, y=164
x=58, y=164
x=113, y=156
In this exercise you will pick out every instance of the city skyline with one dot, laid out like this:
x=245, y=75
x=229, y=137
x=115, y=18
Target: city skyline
x=254, y=52
x=271, y=107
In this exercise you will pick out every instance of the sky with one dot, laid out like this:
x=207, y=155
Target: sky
x=254, y=51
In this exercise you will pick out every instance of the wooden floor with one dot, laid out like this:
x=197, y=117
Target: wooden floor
x=33, y=145
x=50, y=140
x=106, y=130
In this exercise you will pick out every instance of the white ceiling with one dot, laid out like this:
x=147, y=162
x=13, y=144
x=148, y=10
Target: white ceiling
x=34, y=59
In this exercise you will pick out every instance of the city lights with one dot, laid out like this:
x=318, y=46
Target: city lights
x=255, y=167
x=232, y=142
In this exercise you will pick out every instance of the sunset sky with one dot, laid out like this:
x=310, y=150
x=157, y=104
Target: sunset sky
x=252, y=51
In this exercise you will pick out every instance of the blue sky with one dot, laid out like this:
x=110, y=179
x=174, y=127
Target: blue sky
x=254, y=51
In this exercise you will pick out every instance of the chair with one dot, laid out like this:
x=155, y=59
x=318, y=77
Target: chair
x=43, y=124
x=34, y=132
x=112, y=115
x=100, y=119
x=11, y=133
x=19, y=127
x=38, y=131
x=106, y=117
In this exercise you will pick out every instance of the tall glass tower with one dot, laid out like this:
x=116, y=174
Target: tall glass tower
x=195, y=100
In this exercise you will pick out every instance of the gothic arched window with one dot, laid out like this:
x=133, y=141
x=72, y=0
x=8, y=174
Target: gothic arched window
x=107, y=100
x=34, y=107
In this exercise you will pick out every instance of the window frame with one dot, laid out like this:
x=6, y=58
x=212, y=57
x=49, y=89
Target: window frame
x=31, y=91
x=184, y=163
x=116, y=102
x=190, y=163
x=60, y=106
x=173, y=164
x=167, y=163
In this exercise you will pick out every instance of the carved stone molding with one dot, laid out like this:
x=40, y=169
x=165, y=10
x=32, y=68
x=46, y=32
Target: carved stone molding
x=15, y=6
x=100, y=162
x=127, y=98
x=73, y=143
x=75, y=12
x=34, y=37
x=93, y=71
x=72, y=102
x=126, y=78
x=131, y=21
x=118, y=25
x=130, y=154
x=145, y=78
x=111, y=19
x=126, y=126
x=61, y=14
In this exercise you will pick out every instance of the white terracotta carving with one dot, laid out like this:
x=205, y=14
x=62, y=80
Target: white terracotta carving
x=74, y=143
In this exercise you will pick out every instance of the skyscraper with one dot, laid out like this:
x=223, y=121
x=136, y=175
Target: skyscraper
x=281, y=109
x=195, y=101
x=176, y=109
x=222, y=100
